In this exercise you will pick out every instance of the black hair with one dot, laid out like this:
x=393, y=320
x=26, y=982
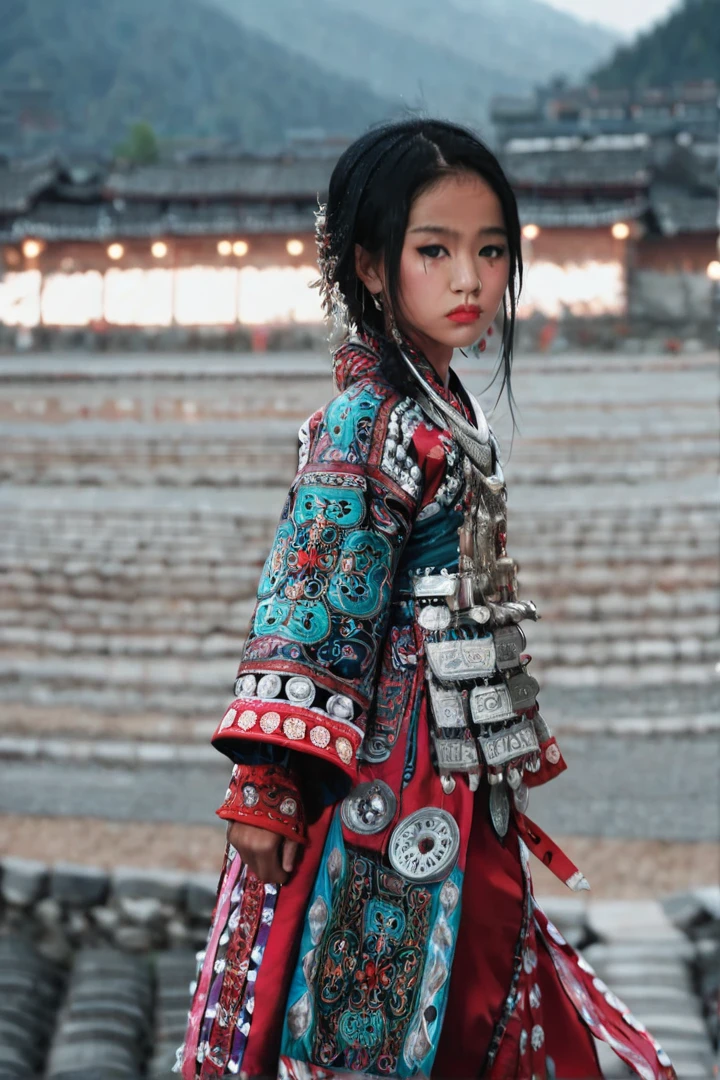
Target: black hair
x=371, y=192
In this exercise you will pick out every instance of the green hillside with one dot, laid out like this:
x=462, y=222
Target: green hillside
x=185, y=68
x=683, y=48
x=446, y=58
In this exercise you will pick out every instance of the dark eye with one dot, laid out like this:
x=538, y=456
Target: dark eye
x=432, y=250
x=493, y=251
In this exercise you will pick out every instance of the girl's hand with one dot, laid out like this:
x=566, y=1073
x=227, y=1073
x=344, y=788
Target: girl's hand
x=270, y=856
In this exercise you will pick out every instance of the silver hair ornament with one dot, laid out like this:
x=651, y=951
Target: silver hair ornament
x=332, y=300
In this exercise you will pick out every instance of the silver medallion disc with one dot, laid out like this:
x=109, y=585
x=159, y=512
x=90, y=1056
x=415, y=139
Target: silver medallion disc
x=369, y=808
x=499, y=809
x=434, y=617
x=269, y=686
x=424, y=846
x=300, y=690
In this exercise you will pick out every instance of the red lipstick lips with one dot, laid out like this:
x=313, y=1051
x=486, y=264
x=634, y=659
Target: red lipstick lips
x=466, y=313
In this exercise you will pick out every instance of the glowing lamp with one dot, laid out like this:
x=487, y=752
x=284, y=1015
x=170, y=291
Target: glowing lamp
x=224, y=247
x=620, y=230
x=32, y=248
x=240, y=247
x=159, y=249
x=115, y=252
x=713, y=270
x=295, y=247
x=531, y=232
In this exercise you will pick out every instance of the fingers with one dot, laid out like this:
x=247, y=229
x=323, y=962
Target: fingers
x=261, y=850
x=289, y=854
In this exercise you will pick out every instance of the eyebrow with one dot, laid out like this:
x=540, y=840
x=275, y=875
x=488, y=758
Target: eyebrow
x=442, y=230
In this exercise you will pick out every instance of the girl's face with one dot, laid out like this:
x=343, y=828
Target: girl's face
x=455, y=263
x=454, y=266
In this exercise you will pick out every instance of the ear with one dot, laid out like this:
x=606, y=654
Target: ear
x=369, y=268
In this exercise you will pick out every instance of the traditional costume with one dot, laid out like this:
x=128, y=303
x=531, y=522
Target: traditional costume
x=384, y=717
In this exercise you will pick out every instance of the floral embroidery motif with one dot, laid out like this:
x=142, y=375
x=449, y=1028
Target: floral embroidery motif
x=370, y=965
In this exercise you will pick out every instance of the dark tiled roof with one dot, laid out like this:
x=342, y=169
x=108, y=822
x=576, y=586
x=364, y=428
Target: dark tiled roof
x=568, y=213
x=103, y=221
x=279, y=179
x=579, y=168
x=679, y=211
x=20, y=184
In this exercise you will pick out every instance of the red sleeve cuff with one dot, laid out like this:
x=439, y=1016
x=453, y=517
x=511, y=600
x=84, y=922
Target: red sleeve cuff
x=268, y=797
x=552, y=763
x=292, y=727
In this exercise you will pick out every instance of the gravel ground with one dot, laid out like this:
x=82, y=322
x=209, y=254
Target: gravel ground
x=616, y=869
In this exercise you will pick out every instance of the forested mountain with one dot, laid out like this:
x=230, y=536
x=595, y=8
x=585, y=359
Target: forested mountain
x=683, y=48
x=449, y=58
x=185, y=68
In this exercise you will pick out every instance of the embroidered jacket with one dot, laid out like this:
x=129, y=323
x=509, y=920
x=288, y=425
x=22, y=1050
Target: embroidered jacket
x=378, y=493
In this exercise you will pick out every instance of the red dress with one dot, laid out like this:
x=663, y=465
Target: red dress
x=382, y=957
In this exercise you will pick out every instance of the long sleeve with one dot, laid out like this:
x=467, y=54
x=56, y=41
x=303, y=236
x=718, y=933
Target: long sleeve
x=307, y=675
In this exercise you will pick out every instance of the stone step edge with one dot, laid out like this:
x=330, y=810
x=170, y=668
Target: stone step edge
x=152, y=752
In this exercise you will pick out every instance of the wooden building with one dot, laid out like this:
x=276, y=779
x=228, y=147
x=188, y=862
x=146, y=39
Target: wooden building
x=619, y=226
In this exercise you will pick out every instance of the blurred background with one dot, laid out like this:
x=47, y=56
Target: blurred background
x=160, y=162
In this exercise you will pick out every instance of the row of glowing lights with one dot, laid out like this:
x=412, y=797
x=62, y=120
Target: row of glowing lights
x=620, y=231
x=31, y=249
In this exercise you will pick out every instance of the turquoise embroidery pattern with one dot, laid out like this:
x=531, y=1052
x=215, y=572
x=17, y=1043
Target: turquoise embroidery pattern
x=324, y=594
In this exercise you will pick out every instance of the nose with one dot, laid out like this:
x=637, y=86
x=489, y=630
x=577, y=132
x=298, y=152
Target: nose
x=465, y=276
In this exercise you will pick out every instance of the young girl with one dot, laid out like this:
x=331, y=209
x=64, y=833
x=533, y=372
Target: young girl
x=375, y=913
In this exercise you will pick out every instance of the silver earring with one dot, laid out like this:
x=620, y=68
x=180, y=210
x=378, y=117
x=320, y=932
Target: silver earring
x=377, y=301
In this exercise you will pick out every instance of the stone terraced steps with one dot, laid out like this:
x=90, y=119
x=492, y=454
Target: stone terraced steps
x=139, y=498
x=96, y=968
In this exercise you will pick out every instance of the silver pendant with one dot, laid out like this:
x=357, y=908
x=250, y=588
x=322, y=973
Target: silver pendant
x=434, y=617
x=435, y=585
x=523, y=690
x=509, y=644
x=500, y=809
x=512, y=742
x=369, y=808
x=473, y=659
x=424, y=846
x=490, y=704
x=514, y=778
x=449, y=706
x=521, y=798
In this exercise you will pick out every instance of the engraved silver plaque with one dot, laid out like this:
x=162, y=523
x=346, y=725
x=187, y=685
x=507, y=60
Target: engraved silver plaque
x=434, y=617
x=449, y=707
x=523, y=690
x=432, y=585
x=490, y=704
x=424, y=846
x=456, y=755
x=369, y=808
x=500, y=809
x=509, y=644
x=510, y=743
x=473, y=659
